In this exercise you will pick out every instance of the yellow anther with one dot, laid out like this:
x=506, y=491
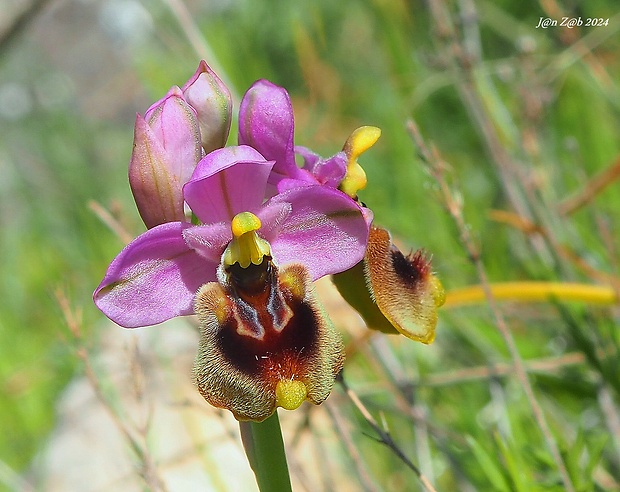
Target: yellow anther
x=358, y=142
x=290, y=394
x=246, y=246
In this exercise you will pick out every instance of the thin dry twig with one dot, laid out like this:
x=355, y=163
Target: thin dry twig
x=580, y=47
x=384, y=436
x=437, y=168
x=503, y=141
x=542, y=365
x=362, y=473
x=591, y=189
x=403, y=389
x=461, y=63
x=407, y=402
x=109, y=220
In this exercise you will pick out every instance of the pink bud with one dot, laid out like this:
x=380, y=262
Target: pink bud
x=166, y=150
x=211, y=99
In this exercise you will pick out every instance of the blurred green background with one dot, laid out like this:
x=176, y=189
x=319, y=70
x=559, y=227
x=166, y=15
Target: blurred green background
x=525, y=117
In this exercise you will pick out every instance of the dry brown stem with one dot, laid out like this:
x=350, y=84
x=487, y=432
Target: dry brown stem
x=384, y=436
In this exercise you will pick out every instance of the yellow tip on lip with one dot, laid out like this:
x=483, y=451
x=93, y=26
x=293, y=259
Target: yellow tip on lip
x=290, y=394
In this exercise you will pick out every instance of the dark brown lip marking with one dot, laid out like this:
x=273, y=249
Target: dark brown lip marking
x=253, y=357
x=411, y=268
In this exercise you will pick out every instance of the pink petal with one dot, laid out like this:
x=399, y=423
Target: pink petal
x=154, y=278
x=266, y=123
x=325, y=230
x=226, y=182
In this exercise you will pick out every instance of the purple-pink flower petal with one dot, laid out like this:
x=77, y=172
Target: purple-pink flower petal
x=226, y=182
x=330, y=171
x=325, y=230
x=154, y=278
x=266, y=123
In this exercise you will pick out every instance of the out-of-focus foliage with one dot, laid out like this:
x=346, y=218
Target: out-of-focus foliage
x=524, y=116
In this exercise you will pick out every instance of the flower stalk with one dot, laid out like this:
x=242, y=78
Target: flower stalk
x=264, y=448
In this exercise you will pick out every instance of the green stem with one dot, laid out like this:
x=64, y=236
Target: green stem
x=264, y=448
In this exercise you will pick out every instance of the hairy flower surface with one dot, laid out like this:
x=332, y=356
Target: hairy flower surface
x=157, y=275
x=265, y=341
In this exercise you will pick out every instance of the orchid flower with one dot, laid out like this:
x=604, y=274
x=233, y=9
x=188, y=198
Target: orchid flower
x=263, y=230
x=394, y=293
x=246, y=270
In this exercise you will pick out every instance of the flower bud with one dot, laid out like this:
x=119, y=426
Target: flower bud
x=166, y=149
x=211, y=99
